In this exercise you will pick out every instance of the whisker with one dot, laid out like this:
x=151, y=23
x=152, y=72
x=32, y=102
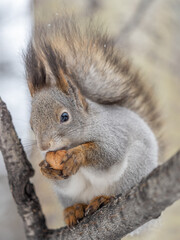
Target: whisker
x=30, y=145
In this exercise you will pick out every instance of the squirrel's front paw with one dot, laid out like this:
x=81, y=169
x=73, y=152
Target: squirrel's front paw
x=68, y=162
x=49, y=172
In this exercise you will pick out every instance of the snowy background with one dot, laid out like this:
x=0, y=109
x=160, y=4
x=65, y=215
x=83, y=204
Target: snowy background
x=15, y=22
x=15, y=28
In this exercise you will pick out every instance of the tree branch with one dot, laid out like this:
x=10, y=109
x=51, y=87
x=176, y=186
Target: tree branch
x=19, y=171
x=115, y=220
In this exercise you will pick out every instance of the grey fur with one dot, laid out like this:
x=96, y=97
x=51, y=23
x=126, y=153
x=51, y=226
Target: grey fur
x=88, y=57
x=128, y=149
x=115, y=109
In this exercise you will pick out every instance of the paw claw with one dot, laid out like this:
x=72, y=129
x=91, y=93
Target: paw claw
x=89, y=211
x=96, y=203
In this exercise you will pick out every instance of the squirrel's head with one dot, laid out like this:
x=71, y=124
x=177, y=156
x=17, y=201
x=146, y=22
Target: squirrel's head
x=58, y=120
x=59, y=111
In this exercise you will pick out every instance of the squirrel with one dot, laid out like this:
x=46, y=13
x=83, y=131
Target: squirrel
x=92, y=112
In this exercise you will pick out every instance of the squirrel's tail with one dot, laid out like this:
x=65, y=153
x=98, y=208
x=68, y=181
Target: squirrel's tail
x=89, y=58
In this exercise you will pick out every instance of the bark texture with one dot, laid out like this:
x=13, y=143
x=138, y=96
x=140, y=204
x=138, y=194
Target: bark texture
x=19, y=171
x=121, y=216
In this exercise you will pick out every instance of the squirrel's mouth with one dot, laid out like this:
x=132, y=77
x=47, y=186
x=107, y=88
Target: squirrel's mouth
x=67, y=147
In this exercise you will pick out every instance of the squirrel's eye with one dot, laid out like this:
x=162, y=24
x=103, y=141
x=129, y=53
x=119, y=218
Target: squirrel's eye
x=64, y=117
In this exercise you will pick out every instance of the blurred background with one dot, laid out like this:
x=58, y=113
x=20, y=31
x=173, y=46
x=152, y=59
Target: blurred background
x=147, y=31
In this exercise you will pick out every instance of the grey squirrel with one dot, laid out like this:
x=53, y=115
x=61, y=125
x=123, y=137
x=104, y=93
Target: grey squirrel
x=91, y=113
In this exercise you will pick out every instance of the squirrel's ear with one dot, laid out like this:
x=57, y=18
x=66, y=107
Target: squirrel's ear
x=31, y=88
x=78, y=97
x=82, y=101
x=61, y=82
x=66, y=86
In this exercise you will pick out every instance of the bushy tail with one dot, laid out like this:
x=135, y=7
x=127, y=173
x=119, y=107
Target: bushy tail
x=87, y=56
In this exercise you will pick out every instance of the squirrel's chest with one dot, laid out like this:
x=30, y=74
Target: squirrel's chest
x=86, y=184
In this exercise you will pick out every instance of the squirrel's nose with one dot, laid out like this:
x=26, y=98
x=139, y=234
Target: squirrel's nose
x=44, y=141
x=44, y=146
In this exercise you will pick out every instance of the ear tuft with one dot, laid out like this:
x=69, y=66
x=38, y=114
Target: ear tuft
x=83, y=101
x=79, y=98
x=57, y=66
x=31, y=88
x=61, y=82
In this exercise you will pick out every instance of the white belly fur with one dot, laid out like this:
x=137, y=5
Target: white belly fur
x=88, y=183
